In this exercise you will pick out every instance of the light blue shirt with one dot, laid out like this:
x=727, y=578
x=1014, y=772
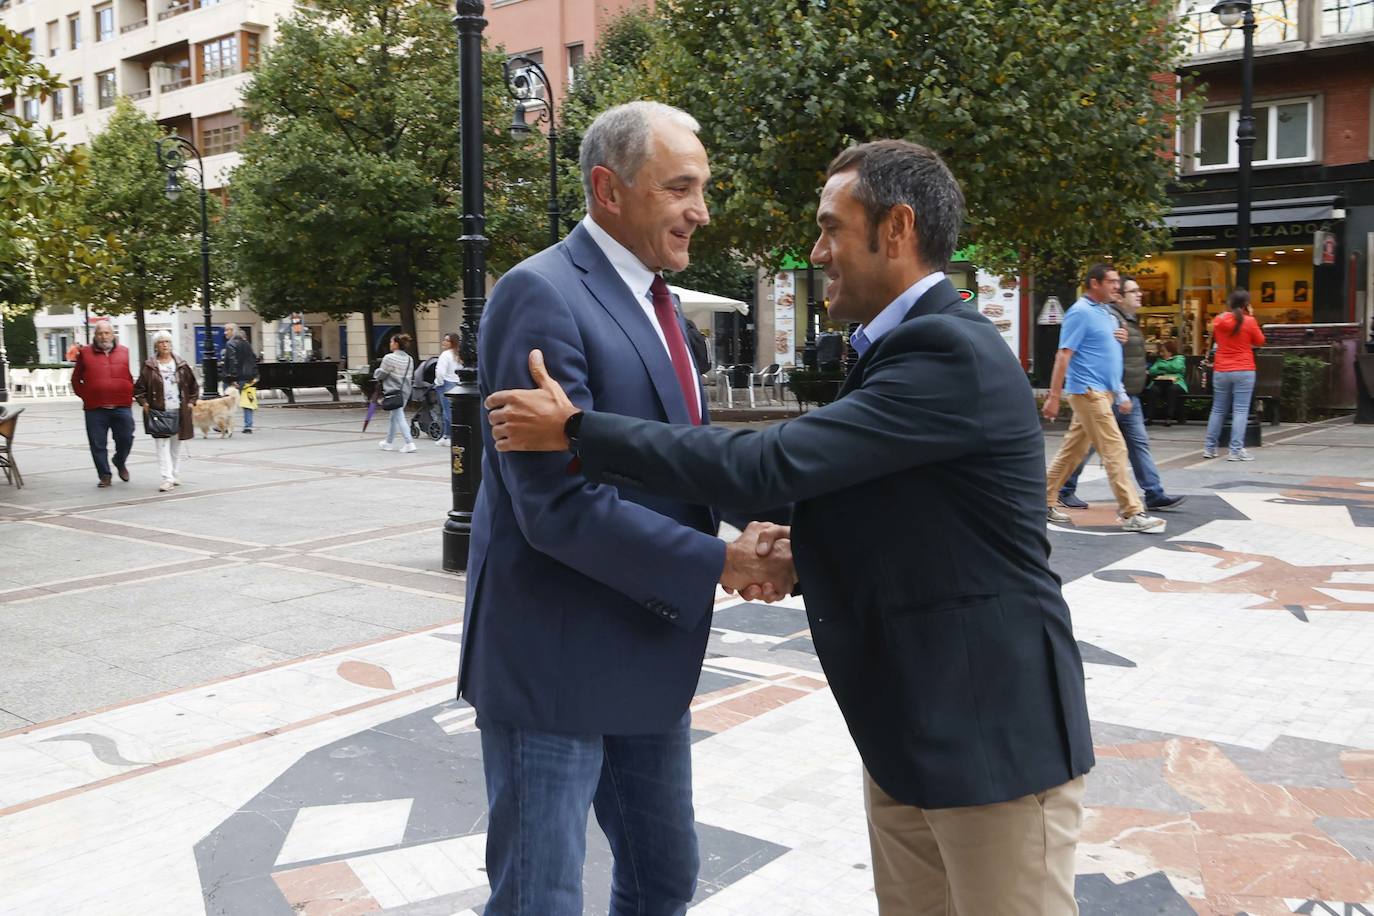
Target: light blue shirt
x=866, y=335
x=1089, y=330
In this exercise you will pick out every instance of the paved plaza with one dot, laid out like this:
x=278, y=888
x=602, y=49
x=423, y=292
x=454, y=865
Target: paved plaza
x=238, y=697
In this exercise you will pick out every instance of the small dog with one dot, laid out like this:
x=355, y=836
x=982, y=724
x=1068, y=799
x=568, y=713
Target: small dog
x=217, y=413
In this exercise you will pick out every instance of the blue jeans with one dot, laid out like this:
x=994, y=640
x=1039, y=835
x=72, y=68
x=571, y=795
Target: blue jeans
x=100, y=422
x=247, y=413
x=397, y=422
x=1132, y=426
x=445, y=406
x=540, y=786
x=1231, y=393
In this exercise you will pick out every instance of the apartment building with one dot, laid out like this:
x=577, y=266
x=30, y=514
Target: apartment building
x=1312, y=219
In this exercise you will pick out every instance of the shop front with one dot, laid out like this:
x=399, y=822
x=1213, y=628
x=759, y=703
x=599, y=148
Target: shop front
x=1296, y=276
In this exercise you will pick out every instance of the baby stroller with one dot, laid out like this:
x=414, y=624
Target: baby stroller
x=428, y=417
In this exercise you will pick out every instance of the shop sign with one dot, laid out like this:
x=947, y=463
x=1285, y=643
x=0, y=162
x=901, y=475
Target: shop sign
x=1284, y=231
x=1052, y=313
x=1323, y=248
x=784, y=318
x=965, y=295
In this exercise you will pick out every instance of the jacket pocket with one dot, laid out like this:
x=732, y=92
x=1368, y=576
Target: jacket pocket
x=956, y=603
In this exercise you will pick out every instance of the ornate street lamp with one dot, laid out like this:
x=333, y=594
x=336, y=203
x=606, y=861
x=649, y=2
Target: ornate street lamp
x=465, y=434
x=1230, y=13
x=522, y=73
x=173, y=154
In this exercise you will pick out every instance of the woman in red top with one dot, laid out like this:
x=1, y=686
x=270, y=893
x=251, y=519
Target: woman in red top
x=1235, y=333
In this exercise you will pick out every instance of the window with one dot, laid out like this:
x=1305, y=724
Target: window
x=104, y=22
x=219, y=58
x=57, y=114
x=74, y=31
x=1283, y=133
x=577, y=54
x=1340, y=17
x=527, y=83
x=29, y=36
x=250, y=50
x=221, y=133
x=78, y=97
x=54, y=38
x=105, y=88
x=31, y=110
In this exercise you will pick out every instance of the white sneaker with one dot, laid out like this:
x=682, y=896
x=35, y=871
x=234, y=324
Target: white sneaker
x=1054, y=515
x=1241, y=455
x=1143, y=524
x=1209, y=452
x=386, y=446
x=176, y=481
x=408, y=447
x=442, y=442
x=165, y=486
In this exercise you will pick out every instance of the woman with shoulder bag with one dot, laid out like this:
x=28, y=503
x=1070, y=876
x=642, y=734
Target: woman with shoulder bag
x=166, y=389
x=395, y=376
x=1235, y=334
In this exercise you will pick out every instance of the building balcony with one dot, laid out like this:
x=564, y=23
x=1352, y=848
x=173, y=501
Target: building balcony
x=133, y=26
x=176, y=10
x=174, y=85
x=1281, y=27
x=139, y=94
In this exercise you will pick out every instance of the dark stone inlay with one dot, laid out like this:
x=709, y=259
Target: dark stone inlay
x=1125, y=576
x=800, y=644
x=1150, y=895
x=1096, y=655
x=1290, y=761
x=763, y=619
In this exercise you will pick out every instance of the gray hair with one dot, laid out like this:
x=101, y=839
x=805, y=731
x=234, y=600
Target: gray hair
x=161, y=336
x=104, y=322
x=230, y=329
x=620, y=139
x=893, y=172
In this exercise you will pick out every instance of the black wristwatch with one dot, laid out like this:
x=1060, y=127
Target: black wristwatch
x=571, y=429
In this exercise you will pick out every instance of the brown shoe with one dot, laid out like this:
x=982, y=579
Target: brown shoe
x=123, y=474
x=104, y=482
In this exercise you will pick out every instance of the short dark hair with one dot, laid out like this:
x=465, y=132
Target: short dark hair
x=1098, y=273
x=1169, y=344
x=893, y=172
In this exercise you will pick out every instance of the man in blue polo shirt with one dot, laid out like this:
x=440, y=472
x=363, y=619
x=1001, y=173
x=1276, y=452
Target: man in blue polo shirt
x=1088, y=368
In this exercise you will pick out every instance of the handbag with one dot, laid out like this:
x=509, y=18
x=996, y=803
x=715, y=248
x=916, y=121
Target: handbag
x=392, y=401
x=161, y=424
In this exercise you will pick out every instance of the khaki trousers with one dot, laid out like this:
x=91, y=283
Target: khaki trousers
x=1094, y=426
x=1015, y=858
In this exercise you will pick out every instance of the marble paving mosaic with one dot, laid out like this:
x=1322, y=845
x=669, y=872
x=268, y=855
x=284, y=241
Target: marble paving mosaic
x=1229, y=683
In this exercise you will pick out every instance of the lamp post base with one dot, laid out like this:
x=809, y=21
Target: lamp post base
x=465, y=468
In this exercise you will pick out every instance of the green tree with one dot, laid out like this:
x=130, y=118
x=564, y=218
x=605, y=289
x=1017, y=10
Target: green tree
x=1047, y=111
x=157, y=262
x=348, y=196
x=38, y=180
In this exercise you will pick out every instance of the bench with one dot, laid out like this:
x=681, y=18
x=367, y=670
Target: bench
x=1268, y=384
x=285, y=377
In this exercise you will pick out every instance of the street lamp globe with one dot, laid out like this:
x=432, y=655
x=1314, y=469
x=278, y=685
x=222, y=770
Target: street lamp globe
x=518, y=125
x=173, y=189
x=1231, y=12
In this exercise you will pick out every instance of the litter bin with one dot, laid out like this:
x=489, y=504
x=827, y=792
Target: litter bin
x=1252, y=433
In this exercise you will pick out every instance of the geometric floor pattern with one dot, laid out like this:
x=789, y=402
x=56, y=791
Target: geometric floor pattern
x=1230, y=685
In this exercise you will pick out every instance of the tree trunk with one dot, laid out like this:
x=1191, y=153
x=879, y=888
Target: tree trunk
x=408, y=317
x=142, y=334
x=369, y=336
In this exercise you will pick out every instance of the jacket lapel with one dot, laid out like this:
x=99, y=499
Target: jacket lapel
x=605, y=285
x=942, y=297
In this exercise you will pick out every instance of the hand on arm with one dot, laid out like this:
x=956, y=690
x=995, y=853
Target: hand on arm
x=531, y=420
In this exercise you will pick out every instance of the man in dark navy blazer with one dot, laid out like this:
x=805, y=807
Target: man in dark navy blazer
x=589, y=606
x=918, y=539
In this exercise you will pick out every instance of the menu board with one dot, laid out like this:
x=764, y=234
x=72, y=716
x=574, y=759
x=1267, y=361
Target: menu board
x=785, y=318
x=999, y=300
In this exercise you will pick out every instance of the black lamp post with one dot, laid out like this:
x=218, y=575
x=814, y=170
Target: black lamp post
x=465, y=434
x=521, y=74
x=1230, y=13
x=173, y=155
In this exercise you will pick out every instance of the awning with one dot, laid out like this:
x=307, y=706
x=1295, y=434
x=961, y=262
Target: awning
x=700, y=306
x=1297, y=209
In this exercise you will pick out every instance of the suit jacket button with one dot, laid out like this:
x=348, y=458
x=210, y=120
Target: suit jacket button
x=672, y=615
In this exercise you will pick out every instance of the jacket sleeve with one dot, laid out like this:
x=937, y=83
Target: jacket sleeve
x=230, y=355
x=79, y=373
x=640, y=553
x=916, y=406
x=141, y=389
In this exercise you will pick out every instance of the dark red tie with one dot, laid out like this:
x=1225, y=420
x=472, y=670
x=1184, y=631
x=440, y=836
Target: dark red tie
x=677, y=347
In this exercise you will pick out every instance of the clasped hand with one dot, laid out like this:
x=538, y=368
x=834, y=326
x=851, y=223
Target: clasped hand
x=758, y=564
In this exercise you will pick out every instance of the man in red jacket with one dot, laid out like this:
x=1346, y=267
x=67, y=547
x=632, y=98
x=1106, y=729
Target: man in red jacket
x=102, y=380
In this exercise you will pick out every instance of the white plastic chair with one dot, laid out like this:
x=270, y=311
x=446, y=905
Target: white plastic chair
x=21, y=378
x=41, y=380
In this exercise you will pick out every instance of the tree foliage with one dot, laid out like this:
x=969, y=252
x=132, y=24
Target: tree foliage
x=348, y=196
x=157, y=262
x=1047, y=111
x=38, y=179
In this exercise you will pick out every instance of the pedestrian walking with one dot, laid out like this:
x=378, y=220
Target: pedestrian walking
x=1168, y=383
x=1235, y=334
x=166, y=390
x=101, y=378
x=1131, y=422
x=1089, y=368
x=395, y=376
x=445, y=378
x=239, y=367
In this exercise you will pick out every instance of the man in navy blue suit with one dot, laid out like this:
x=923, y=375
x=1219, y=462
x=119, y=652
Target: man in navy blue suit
x=916, y=528
x=589, y=606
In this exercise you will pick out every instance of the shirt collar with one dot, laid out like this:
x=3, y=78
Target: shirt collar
x=896, y=310
x=632, y=270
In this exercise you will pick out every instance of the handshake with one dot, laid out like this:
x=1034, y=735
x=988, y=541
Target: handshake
x=758, y=565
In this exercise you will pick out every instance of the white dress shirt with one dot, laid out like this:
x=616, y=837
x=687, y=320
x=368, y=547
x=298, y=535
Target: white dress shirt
x=896, y=310
x=638, y=279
